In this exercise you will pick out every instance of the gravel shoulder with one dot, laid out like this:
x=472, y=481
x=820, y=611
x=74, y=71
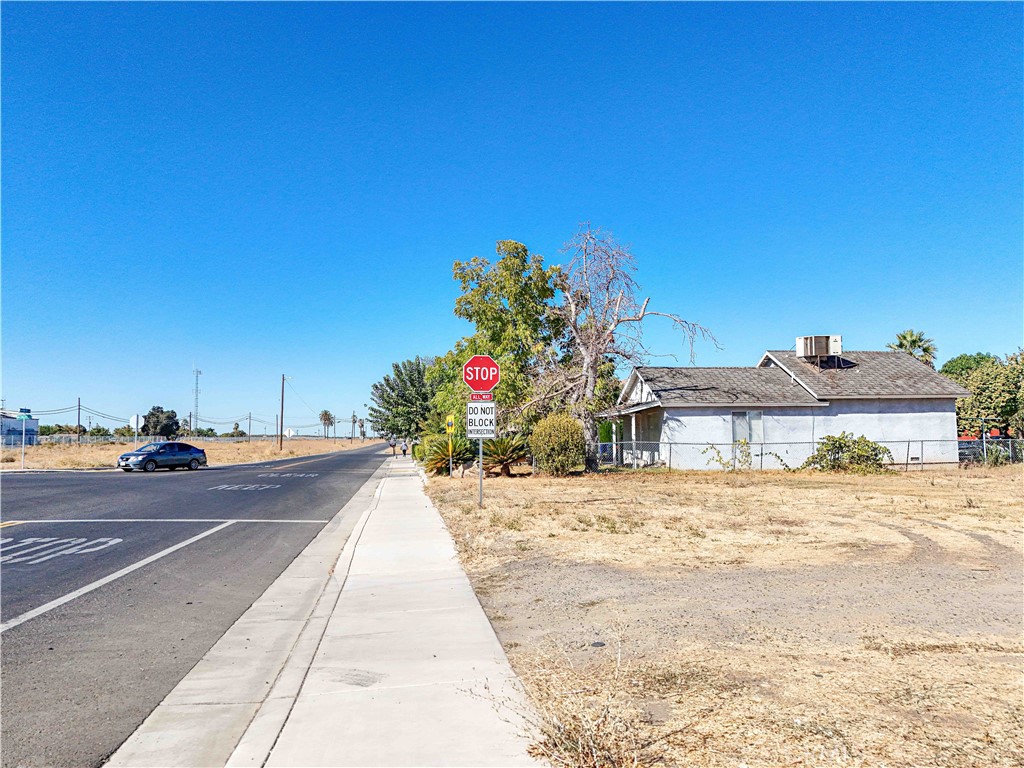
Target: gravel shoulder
x=766, y=619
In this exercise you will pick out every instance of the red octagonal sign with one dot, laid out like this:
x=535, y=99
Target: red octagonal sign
x=481, y=373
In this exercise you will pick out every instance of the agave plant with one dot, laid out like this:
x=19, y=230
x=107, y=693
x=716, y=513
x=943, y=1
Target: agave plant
x=503, y=452
x=437, y=453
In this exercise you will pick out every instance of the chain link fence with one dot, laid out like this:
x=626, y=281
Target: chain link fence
x=906, y=454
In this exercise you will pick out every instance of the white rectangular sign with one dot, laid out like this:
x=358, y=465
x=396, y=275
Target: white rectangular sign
x=481, y=421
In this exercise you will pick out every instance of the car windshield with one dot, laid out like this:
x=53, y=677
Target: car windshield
x=149, y=448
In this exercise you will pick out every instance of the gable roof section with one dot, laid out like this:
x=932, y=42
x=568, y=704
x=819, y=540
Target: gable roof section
x=692, y=387
x=875, y=375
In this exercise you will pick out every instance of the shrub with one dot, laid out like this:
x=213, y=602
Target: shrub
x=437, y=453
x=557, y=444
x=502, y=452
x=845, y=453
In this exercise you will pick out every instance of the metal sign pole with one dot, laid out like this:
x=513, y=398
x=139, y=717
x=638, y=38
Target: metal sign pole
x=450, y=472
x=23, y=443
x=481, y=473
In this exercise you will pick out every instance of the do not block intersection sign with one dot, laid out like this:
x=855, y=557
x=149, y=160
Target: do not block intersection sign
x=481, y=421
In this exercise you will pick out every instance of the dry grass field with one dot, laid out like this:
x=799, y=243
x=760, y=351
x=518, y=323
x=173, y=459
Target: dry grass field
x=88, y=456
x=757, y=619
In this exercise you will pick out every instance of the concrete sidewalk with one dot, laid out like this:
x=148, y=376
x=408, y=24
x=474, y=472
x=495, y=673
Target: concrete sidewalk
x=394, y=665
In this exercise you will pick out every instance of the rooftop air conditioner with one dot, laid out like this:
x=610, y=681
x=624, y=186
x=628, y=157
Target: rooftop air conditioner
x=818, y=346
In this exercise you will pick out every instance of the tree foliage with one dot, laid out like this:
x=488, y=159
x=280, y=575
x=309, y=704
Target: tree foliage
x=958, y=367
x=401, y=401
x=159, y=422
x=328, y=420
x=509, y=303
x=997, y=388
x=914, y=343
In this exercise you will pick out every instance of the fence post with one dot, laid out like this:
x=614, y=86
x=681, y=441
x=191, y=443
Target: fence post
x=670, y=457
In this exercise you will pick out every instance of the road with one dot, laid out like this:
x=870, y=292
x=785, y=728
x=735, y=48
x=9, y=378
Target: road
x=115, y=584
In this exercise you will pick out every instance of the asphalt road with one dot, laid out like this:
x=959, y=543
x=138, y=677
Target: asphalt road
x=115, y=584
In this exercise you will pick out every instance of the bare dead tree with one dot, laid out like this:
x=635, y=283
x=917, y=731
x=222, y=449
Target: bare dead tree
x=603, y=317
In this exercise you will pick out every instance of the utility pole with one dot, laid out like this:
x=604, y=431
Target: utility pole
x=249, y=431
x=280, y=439
x=353, y=436
x=78, y=422
x=195, y=410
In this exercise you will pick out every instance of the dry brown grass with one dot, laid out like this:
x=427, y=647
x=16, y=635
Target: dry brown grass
x=713, y=619
x=88, y=456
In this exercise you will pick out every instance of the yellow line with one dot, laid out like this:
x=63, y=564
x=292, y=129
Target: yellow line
x=11, y=522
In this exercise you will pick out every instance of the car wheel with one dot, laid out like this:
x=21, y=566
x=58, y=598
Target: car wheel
x=150, y=466
x=194, y=464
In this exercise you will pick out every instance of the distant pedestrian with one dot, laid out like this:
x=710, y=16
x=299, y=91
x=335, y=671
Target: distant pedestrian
x=392, y=443
x=405, y=447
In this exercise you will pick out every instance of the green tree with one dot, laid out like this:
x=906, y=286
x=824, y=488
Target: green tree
x=997, y=396
x=401, y=401
x=509, y=303
x=124, y=431
x=914, y=343
x=960, y=366
x=49, y=429
x=99, y=431
x=159, y=422
x=328, y=420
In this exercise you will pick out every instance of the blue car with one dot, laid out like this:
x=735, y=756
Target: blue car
x=152, y=456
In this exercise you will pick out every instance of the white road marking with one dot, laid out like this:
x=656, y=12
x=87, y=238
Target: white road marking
x=289, y=474
x=242, y=487
x=170, y=520
x=59, y=549
x=106, y=580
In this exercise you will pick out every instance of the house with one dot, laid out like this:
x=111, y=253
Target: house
x=783, y=405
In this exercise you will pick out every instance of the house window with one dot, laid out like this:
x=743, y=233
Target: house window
x=746, y=425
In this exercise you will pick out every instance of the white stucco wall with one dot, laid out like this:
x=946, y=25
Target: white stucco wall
x=916, y=431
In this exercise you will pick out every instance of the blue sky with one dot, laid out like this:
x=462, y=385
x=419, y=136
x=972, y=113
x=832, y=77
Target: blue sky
x=282, y=188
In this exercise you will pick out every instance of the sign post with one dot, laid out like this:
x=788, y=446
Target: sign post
x=449, y=427
x=135, y=422
x=481, y=375
x=24, y=416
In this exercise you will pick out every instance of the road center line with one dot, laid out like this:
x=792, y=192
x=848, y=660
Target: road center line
x=169, y=520
x=10, y=523
x=106, y=580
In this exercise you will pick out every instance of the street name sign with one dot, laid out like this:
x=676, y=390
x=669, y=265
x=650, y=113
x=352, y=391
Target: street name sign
x=481, y=421
x=481, y=373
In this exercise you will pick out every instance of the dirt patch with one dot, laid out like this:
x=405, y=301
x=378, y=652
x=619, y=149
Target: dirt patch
x=767, y=619
x=52, y=456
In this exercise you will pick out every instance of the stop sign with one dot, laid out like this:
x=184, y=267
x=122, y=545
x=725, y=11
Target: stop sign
x=481, y=373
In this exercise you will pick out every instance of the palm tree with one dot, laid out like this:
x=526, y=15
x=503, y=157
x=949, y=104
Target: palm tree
x=327, y=419
x=914, y=343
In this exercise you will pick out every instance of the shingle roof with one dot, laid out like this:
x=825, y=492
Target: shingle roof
x=874, y=374
x=675, y=387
